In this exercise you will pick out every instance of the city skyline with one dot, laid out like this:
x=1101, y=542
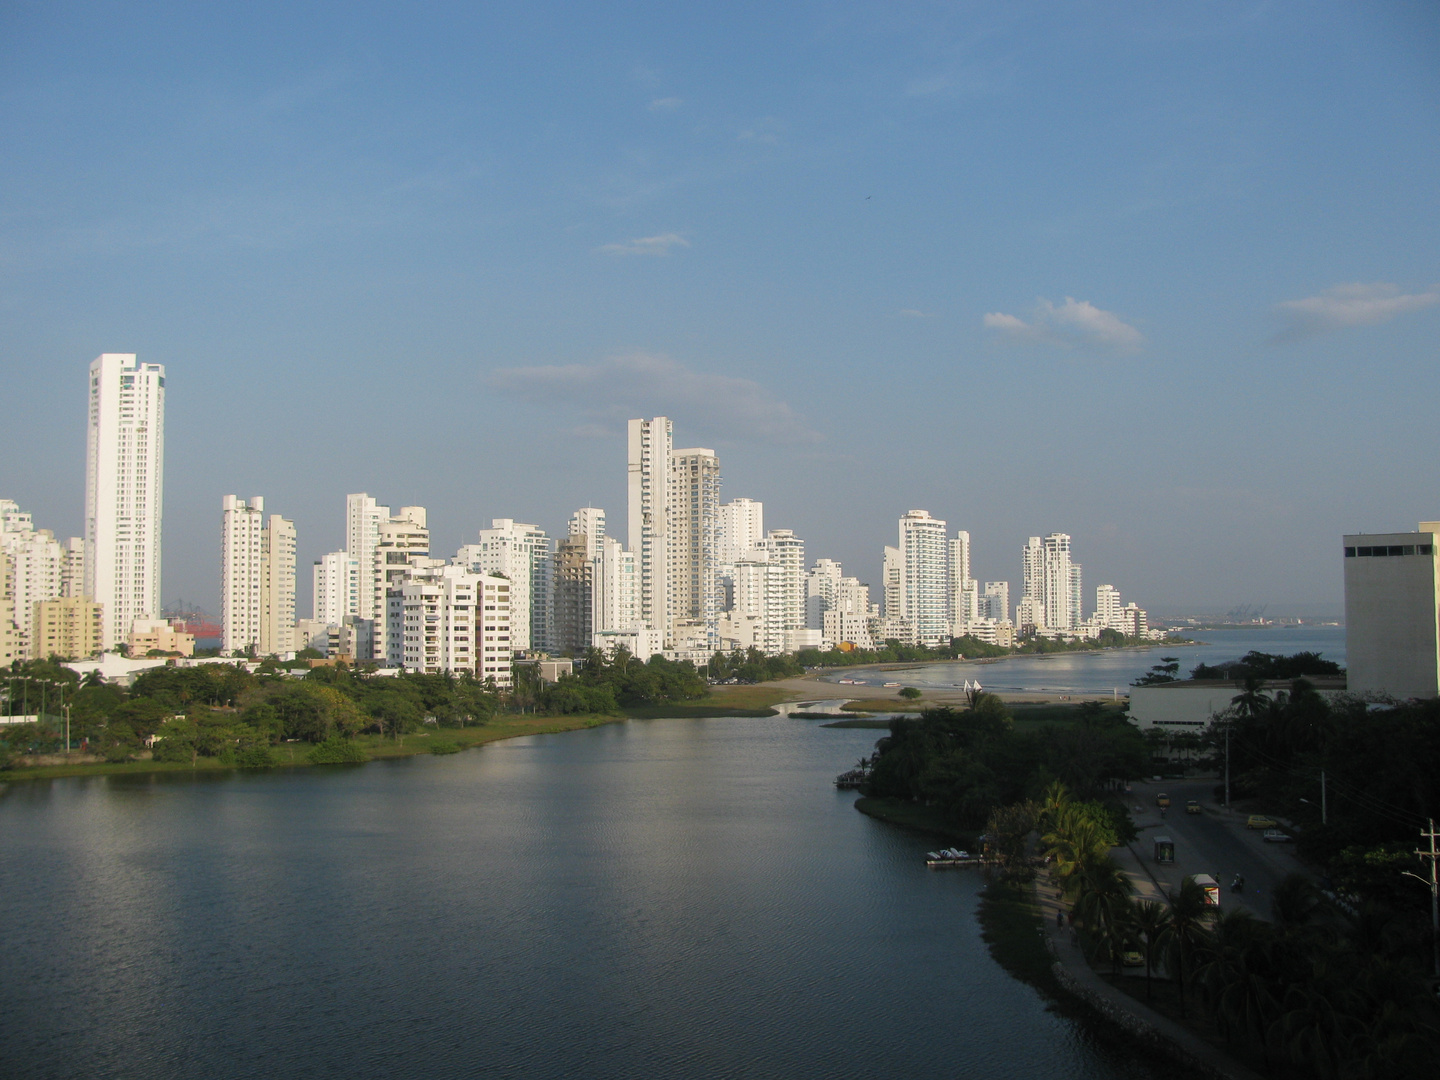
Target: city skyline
x=1164, y=279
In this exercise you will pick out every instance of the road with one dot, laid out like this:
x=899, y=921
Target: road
x=1211, y=842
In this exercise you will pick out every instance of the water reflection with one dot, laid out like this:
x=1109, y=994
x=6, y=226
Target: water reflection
x=663, y=898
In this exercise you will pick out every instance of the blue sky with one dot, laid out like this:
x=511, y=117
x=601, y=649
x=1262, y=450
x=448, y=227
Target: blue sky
x=1163, y=277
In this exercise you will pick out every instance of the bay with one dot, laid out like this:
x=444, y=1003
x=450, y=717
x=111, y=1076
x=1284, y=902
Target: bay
x=671, y=898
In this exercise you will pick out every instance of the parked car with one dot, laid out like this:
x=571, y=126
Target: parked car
x=1132, y=958
x=1260, y=821
x=1277, y=836
x=1192, y=806
x=1164, y=800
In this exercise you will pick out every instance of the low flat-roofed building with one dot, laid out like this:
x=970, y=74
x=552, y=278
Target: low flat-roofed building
x=157, y=634
x=1392, y=603
x=1191, y=704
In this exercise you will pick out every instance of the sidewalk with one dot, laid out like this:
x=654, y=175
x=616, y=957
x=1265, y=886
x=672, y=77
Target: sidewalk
x=1160, y=1032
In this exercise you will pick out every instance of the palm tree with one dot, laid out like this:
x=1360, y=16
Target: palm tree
x=1151, y=919
x=1181, y=941
x=1295, y=902
x=1238, y=978
x=1077, y=845
x=1103, y=906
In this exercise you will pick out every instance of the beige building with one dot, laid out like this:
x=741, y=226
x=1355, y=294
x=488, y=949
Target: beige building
x=147, y=634
x=1392, y=613
x=9, y=632
x=68, y=626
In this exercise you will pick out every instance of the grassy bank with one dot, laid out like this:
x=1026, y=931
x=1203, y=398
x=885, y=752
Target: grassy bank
x=913, y=816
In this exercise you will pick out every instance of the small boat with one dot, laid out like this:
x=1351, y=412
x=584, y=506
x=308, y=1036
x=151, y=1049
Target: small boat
x=949, y=857
x=890, y=684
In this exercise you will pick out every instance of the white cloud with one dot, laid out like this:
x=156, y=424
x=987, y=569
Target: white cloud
x=1075, y=323
x=719, y=407
x=1349, y=305
x=646, y=245
x=665, y=104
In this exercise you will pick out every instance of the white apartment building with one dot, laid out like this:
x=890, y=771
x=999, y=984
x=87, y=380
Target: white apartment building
x=257, y=578
x=402, y=546
x=339, y=585
x=821, y=585
x=363, y=517
x=521, y=553
x=454, y=620
x=964, y=590
x=1392, y=613
x=784, y=587
x=41, y=569
x=847, y=626
x=1107, y=605
x=1052, y=581
x=741, y=527
x=124, y=489
x=615, y=597
x=648, y=481
x=892, y=578
x=589, y=522
x=9, y=631
x=693, y=526
x=995, y=601
x=242, y=556
x=925, y=576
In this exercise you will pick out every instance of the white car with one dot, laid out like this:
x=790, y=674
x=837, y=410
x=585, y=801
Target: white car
x=1277, y=836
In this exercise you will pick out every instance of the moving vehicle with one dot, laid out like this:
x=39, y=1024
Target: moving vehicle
x=1164, y=849
x=1132, y=958
x=1211, y=888
x=1260, y=821
x=1192, y=806
x=1162, y=799
x=1277, y=836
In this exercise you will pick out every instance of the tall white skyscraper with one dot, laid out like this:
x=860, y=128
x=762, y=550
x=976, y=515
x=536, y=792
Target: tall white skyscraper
x=964, y=590
x=995, y=603
x=402, y=546
x=616, y=589
x=650, y=443
x=363, y=517
x=257, y=578
x=742, y=524
x=1060, y=583
x=925, y=576
x=339, y=584
x=124, y=470
x=1032, y=581
x=589, y=522
x=242, y=557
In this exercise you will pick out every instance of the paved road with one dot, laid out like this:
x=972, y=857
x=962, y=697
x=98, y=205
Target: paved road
x=1212, y=842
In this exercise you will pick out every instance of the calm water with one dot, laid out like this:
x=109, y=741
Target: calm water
x=1094, y=673
x=651, y=899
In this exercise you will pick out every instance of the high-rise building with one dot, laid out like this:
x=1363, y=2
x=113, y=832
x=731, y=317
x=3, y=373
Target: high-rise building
x=257, y=579
x=615, y=605
x=589, y=522
x=401, y=547
x=892, y=575
x=521, y=553
x=693, y=530
x=995, y=603
x=124, y=469
x=925, y=576
x=455, y=620
x=339, y=585
x=1107, y=606
x=1052, y=581
x=9, y=631
x=1032, y=579
x=964, y=590
x=40, y=567
x=650, y=443
x=1392, y=613
x=242, y=556
x=362, y=532
x=741, y=526
x=573, y=607
x=821, y=585
x=66, y=626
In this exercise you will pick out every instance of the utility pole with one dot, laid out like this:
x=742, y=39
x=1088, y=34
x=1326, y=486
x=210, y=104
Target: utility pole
x=1227, y=766
x=1432, y=855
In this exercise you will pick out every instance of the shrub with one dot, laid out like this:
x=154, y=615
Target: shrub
x=444, y=748
x=336, y=751
x=254, y=757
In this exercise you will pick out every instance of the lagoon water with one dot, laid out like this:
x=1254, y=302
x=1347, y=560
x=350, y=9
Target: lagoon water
x=1112, y=670
x=670, y=898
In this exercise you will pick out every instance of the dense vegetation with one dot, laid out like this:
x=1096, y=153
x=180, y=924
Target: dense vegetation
x=1253, y=665
x=227, y=712
x=966, y=763
x=1324, y=990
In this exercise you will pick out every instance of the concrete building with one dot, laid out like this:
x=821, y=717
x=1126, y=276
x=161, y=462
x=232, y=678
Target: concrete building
x=363, y=517
x=641, y=641
x=402, y=547
x=257, y=579
x=892, y=576
x=742, y=525
x=648, y=485
x=521, y=553
x=124, y=489
x=995, y=601
x=9, y=631
x=693, y=530
x=339, y=584
x=964, y=590
x=574, y=578
x=615, y=603
x=457, y=621
x=1392, y=604
x=821, y=585
x=159, y=634
x=69, y=627
x=925, y=576
x=589, y=522
x=1107, y=605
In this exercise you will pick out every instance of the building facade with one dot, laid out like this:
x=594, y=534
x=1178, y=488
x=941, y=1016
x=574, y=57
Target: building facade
x=925, y=577
x=693, y=530
x=648, y=487
x=124, y=491
x=1392, y=613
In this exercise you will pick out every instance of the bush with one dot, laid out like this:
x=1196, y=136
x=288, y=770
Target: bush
x=175, y=750
x=336, y=751
x=115, y=753
x=254, y=757
x=910, y=692
x=444, y=748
